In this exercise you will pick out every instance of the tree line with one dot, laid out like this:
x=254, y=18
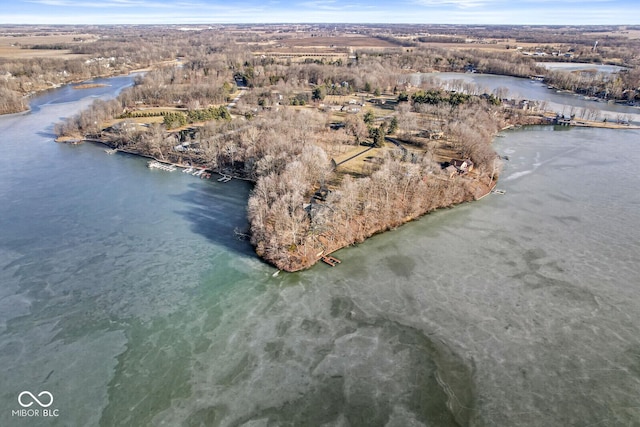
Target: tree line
x=287, y=151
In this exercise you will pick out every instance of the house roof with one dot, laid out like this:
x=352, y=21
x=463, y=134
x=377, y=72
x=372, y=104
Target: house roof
x=461, y=163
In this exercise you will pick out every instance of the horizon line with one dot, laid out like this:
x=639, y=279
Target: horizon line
x=315, y=23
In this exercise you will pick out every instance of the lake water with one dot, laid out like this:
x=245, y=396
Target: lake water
x=572, y=66
x=126, y=295
x=561, y=102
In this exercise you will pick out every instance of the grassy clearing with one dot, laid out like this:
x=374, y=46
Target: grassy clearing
x=158, y=109
x=136, y=120
x=342, y=99
x=364, y=162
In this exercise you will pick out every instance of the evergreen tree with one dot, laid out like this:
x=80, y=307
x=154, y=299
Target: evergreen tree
x=377, y=135
x=393, y=126
x=319, y=93
x=369, y=117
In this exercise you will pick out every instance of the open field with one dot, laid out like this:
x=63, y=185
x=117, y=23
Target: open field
x=12, y=46
x=310, y=45
x=492, y=47
x=300, y=55
x=15, y=52
x=630, y=34
x=305, y=46
x=339, y=41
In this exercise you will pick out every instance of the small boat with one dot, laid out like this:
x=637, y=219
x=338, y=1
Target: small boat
x=111, y=151
x=499, y=191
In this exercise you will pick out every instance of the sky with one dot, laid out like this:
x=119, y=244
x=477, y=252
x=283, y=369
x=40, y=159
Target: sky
x=526, y=12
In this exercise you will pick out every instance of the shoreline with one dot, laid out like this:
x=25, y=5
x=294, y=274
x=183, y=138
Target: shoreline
x=28, y=95
x=546, y=119
x=332, y=250
x=481, y=188
x=88, y=85
x=78, y=141
x=17, y=113
x=604, y=125
x=486, y=190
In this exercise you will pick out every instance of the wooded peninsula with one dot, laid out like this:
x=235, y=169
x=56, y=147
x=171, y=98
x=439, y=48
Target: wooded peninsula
x=339, y=127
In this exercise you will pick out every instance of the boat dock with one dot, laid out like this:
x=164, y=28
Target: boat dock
x=111, y=151
x=199, y=172
x=162, y=166
x=225, y=178
x=332, y=261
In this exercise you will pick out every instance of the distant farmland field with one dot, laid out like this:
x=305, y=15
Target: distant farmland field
x=14, y=46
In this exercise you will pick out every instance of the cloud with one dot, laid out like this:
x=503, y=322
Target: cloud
x=101, y=4
x=178, y=5
x=460, y=4
x=332, y=5
x=52, y=2
x=523, y=12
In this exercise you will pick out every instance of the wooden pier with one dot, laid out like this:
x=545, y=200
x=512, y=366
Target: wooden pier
x=162, y=166
x=332, y=261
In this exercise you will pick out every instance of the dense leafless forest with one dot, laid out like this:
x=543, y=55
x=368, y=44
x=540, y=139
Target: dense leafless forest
x=325, y=121
x=91, y=51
